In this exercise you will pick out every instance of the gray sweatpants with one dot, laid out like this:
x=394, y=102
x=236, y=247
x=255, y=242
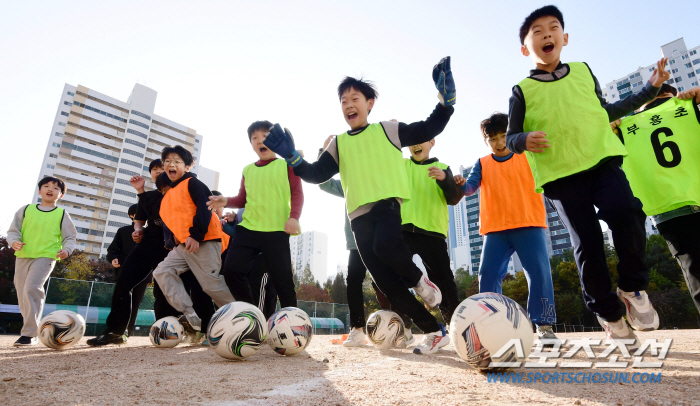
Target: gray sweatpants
x=205, y=264
x=30, y=276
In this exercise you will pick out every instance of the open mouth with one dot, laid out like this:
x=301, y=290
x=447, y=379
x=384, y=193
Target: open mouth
x=263, y=150
x=418, y=151
x=172, y=172
x=49, y=194
x=548, y=48
x=501, y=149
x=352, y=116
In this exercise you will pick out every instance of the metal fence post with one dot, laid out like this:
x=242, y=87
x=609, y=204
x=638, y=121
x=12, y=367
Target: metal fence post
x=315, y=303
x=47, y=286
x=87, y=308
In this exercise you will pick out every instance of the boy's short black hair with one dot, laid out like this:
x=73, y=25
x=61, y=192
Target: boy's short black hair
x=162, y=181
x=258, y=125
x=666, y=88
x=156, y=163
x=49, y=179
x=132, y=210
x=365, y=87
x=546, y=11
x=216, y=193
x=496, y=124
x=184, y=154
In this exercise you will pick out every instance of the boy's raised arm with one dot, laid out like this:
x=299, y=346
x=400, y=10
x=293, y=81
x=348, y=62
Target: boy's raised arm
x=424, y=131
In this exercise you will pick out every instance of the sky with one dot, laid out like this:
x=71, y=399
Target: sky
x=218, y=66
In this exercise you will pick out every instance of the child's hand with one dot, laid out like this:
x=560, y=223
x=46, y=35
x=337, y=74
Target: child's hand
x=436, y=173
x=216, y=202
x=459, y=180
x=536, y=142
x=115, y=263
x=191, y=245
x=62, y=254
x=660, y=74
x=17, y=245
x=138, y=183
x=292, y=227
x=137, y=235
x=328, y=141
x=689, y=94
x=615, y=124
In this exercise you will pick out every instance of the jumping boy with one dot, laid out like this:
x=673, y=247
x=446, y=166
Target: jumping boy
x=512, y=219
x=664, y=172
x=121, y=246
x=199, y=236
x=273, y=198
x=425, y=219
x=560, y=118
x=373, y=174
x=40, y=234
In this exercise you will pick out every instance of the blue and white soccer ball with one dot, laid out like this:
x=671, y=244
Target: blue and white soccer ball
x=166, y=332
x=237, y=330
x=385, y=329
x=484, y=323
x=290, y=331
x=61, y=329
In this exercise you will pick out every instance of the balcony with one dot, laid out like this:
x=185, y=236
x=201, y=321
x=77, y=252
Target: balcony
x=78, y=165
x=76, y=176
x=98, y=138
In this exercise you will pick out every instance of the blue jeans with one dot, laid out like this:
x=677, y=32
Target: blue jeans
x=531, y=246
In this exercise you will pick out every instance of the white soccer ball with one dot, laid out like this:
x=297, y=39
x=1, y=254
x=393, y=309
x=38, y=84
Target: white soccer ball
x=385, y=329
x=483, y=324
x=61, y=329
x=290, y=331
x=166, y=332
x=237, y=330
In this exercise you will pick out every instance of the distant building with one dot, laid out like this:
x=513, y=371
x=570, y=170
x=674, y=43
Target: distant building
x=96, y=144
x=310, y=248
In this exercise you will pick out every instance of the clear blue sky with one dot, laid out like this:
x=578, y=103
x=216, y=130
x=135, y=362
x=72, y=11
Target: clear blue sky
x=218, y=66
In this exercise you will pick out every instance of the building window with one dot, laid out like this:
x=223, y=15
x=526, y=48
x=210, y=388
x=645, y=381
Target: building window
x=132, y=142
x=562, y=241
x=119, y=213
x=90, y=152
x=693, y=52
x=138, y=113
x=110, y=234
x=124, y=192
x=140, y=134
x=53, y=156
x=116, y=224
x=50, y=166
x=104, y=113
x=687, y=65
x=674, y=70
x=127, y=172
x=681, y=88
x=672, y=62
x=651, y=69
x=131, y=152
x=58, y=135
x=197, y=141
x=63, y=113
x=56, y=145
x=138, y=123
x=67, y=103
x=123, y=181
x=61, y=124
x=696, y=61
x=691, y=75
x=132, y=163
x=122, y=203
x=71, y=94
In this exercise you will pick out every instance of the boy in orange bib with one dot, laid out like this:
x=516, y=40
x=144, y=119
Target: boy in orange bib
x=512, y=219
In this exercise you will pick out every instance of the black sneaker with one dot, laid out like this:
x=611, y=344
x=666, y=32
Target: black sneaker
x=106, y=339
x=24, y=341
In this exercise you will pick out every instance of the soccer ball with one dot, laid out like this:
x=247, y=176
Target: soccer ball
x=237, y=330
x=166, y=332
x=290, y=331
x=483, y=324
x=61, y=329
x=385, y=329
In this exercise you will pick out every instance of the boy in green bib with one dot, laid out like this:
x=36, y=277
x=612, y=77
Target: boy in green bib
x=373, y=175
x=558, y=115
x=663, y=167
x=273, y=198
x=40, y=234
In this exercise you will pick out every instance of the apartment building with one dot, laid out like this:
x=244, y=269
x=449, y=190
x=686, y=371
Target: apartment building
x=310, y=248
x=97, y=143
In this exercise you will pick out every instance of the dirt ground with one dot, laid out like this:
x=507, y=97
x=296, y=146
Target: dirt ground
x=325, y=374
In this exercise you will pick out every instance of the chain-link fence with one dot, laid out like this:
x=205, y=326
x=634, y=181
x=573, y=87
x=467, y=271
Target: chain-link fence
x=92, y=300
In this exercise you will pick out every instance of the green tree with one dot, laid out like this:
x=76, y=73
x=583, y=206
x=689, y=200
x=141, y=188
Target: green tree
x=369, y=296
x=467, y=284
x=307, y=278
x=516, y=288
x=339, y=290
x=658, y=257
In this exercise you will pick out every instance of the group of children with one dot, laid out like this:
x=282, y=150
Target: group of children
x=556, y=140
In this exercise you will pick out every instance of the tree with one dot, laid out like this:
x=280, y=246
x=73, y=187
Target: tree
x=467, y=284
x=339, y=289
x=658, y=257
x=369, y=296
x=76, y=266
x=516, y=288
x=328, y=286
x=307, y=278
x=312, y=293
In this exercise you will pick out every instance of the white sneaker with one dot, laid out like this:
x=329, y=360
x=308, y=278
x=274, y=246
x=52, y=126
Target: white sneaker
x=546, y=332
x=640, y=313
x=356, y=338
x=432, y=342
x=429, y=292
x=618, y=330
x=191, y=323
x=408, y=338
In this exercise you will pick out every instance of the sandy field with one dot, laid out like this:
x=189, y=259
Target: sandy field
x=325, y=374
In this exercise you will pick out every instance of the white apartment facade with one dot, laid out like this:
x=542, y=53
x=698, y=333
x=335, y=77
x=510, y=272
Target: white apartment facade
x=683, y=63
x=310, y=248
x=97, y=143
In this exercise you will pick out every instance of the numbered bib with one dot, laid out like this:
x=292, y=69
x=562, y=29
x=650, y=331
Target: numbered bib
x=663, y=165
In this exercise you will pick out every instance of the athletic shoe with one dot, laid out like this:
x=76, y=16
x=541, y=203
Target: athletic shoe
x=106, y=339
x=191, y=323
x=25, y=341
x=429, y=292
x=618, y=330
x=546, y=332
x=432, y=342
x=205, y=343
x=640, y=313
x=356, y=338
x=408, y=338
